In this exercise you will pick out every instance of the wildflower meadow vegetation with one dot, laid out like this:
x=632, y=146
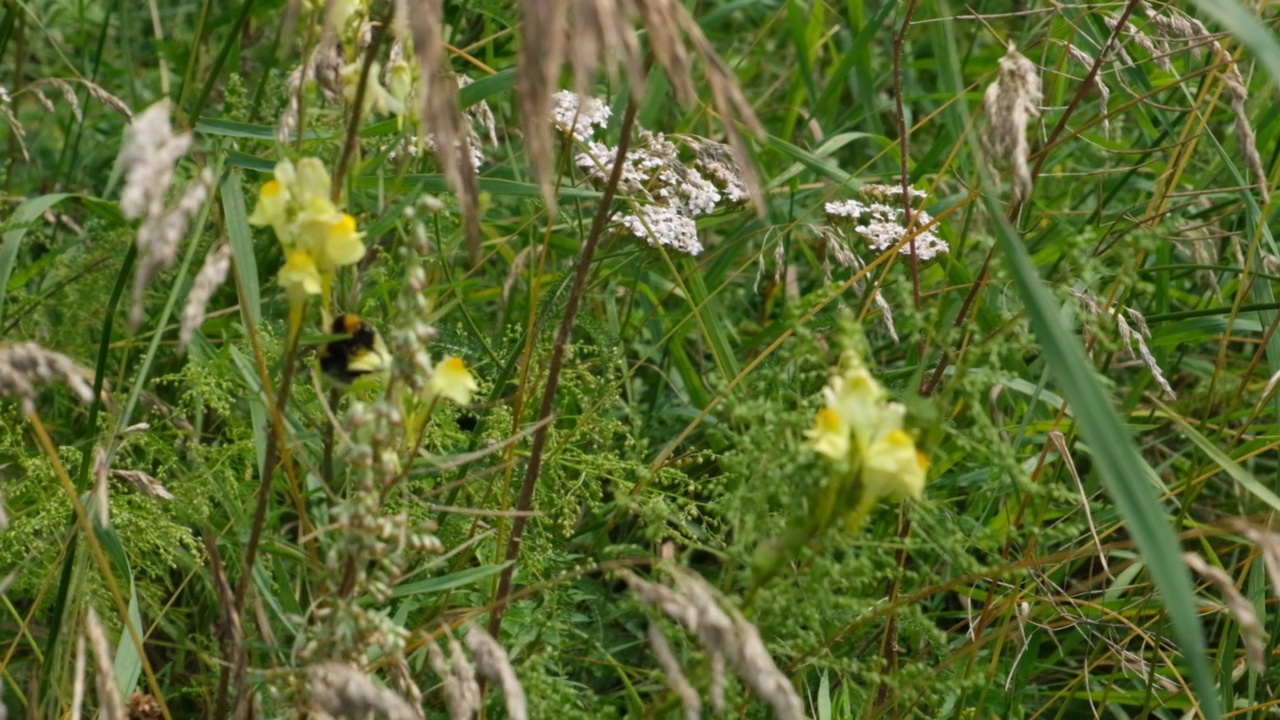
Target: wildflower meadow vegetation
x=639, y=358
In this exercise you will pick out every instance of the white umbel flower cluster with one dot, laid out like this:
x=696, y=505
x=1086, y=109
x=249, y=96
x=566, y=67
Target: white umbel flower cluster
x=880, y=224
x=577, y=116
x=668, y=192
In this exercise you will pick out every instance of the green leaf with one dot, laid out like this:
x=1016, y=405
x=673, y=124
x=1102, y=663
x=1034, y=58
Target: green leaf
x=24, y=214
x=241, y=238
x=448, y=582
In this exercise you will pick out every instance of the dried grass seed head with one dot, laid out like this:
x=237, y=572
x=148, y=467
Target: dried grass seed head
x=493, y=665
x=342, y=691
x=160, y=234
x=211, y=276
x=26, y=366
x=461, y=691
x=1009, y=104
x=726, y=634
x=671, y=31
x=110, y=705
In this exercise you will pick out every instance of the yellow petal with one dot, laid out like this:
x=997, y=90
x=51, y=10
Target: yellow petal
x=299, y=276
x=342, y=244
x=273, y=199
x=286, y=174
x=313, y=180
x=453, y=380
x=829, y=435
x=893, y=467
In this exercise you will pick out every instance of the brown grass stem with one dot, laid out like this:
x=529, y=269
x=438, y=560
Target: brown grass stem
x=534, y=467
x=357, y=105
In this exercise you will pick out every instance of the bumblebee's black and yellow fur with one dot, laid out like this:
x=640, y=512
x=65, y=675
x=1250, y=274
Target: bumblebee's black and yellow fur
x=359, y=354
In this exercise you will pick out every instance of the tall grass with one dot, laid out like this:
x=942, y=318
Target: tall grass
x=662, y=372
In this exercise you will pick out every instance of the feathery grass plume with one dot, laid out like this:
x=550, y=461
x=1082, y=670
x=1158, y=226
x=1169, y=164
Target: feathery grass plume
x=110, y=705
x=26, y=366
x=1252, y=634
x=211, y=276
x=1104, y=92
x=15, y=127
x=670, y=667
x=144, y=483
x=721, y=632
x=324, y=67
x=69, y=95
x=671, y=31
x=1177, y=25
x=493, y=665
x=602, y=29
x=461, y=690
x=150, y=155
x=342, y=691
x=159, y=236
x=839, y=247
x=1128, y=336
x=402, y=681
x=1139, y=339
x=441, y=116
x=1268, y=543
x=537, y=69
x=1009, y=104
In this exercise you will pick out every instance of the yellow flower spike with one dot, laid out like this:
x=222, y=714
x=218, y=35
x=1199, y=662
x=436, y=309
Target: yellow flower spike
x=829, y=435
x=453, y=380
x=893, y=468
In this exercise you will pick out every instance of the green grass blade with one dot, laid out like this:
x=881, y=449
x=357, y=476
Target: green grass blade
x=22, y=215
x=1221, y=459
x=241, y=239
x=1117, y=460
x=458, y=579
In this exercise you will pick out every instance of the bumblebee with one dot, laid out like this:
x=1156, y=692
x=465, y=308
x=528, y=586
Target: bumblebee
x=360, y=353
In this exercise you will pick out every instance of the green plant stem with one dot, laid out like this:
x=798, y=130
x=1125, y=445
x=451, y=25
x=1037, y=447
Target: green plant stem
x=271, y=457
x=898, y=41
x=534, y=468
x=100, y=557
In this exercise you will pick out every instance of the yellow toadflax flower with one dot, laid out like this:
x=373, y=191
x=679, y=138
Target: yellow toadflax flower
x=317, y=237
x=861, y=431
x=453, y=380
